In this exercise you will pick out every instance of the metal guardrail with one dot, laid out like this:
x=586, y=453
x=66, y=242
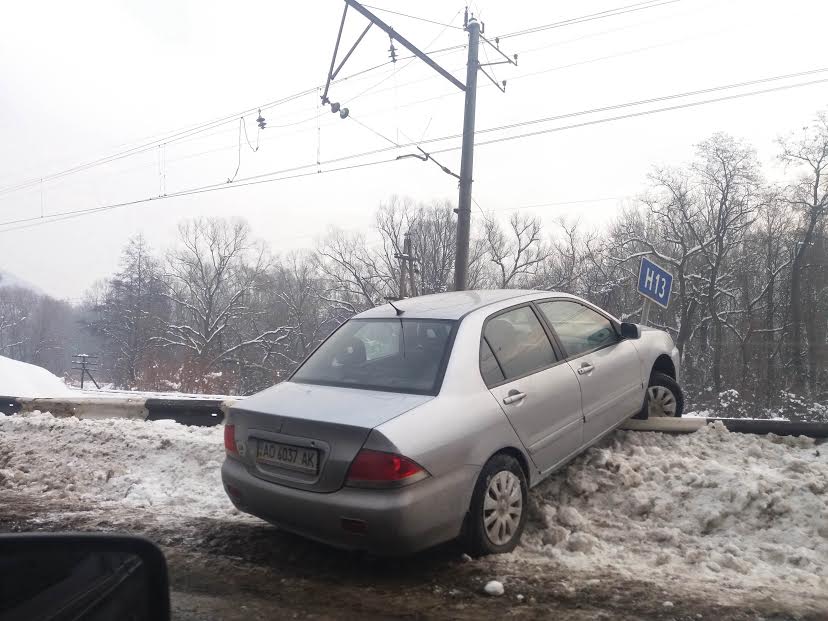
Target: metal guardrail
x=9, y=405
x=736, y=425
x=197, y=412
x=211, y=412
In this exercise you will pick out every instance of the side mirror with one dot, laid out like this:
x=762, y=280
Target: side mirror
x=84, y=577
x=630, y=331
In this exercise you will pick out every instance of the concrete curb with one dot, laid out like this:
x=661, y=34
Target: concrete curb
x=737, y=425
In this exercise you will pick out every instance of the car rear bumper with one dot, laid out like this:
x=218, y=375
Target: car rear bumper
x=396, y=521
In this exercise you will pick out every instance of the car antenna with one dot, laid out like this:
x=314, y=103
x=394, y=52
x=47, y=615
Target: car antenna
x=398, y=310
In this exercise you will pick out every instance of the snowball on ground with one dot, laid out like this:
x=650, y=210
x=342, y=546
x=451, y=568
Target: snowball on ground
x=493, y=587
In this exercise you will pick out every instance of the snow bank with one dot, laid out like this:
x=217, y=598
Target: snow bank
x=113, y=464
x=19, y=379
x=711, y=505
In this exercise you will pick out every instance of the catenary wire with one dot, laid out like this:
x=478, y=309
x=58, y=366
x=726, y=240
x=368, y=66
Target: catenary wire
x=259, y=178
x=421, y=19
x=413, y=103
x=630, y=8
x=182, y=134
x=29, y=222
x=640, y=114
x=417, y=102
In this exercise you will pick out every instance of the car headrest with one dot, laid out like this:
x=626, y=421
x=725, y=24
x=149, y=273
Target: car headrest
x=500, y=333
x=353, y=352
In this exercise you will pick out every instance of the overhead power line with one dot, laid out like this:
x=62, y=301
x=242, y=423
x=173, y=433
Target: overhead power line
x=153, y=144
x=421, y=19
x=292, y=173
x=640, y=102
x=627, y=104
x=29, y=222
x=630, y=8
x=182, y=134
x=643, y=113
x=234, y=146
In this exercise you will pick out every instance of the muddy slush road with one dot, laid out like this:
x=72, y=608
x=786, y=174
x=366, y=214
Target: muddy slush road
x=243, y=569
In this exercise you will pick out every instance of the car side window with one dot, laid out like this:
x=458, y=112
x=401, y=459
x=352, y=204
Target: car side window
x=519, y=342
x=489, y=368
x=579, y=328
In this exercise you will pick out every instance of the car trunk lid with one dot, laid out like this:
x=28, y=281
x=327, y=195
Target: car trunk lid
x=322, y=426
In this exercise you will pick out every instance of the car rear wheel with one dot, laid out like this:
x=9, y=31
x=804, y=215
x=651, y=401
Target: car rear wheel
x=664, y=397
x=497, y=514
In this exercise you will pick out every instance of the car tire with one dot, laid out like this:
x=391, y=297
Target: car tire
x=497, y=514
x=664, y=397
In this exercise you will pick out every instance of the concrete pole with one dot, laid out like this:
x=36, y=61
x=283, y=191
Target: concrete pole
x=461, y=260
x=412, y=285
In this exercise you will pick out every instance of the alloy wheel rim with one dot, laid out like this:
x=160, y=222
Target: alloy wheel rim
x=502, y=507
x=662, y=401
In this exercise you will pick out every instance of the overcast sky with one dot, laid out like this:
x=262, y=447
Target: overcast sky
x=83, y=80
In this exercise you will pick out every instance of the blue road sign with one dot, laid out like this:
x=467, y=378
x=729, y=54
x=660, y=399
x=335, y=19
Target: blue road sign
x=654, y=282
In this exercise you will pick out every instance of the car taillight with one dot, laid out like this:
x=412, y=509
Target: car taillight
x=379, y=469
x=230, y=440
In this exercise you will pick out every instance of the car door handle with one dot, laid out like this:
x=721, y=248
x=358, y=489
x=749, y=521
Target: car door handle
x=513, y=397
x=585, y=368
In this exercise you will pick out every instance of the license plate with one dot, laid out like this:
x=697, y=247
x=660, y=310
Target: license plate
x=287, y=456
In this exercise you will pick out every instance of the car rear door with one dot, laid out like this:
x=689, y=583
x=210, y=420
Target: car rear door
x=606, y=365
x=537, y=390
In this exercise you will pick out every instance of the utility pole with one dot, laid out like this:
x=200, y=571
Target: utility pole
x=402, y=276
x=85, y=363
x=407, y=261
x=461, y=256
x=476, y=34
x=410, y=260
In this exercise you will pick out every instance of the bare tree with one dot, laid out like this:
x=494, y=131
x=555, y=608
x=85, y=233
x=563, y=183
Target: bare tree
x=356, y=278
x=210, y=280
x=808, y=153
x=128, y=312
x=518, y=252
x=728, y=184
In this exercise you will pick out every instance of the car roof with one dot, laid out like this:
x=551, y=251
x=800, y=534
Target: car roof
x=452, y=305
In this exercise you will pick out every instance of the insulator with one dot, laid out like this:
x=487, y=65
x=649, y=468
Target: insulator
x=343, y=113
x=335, y=107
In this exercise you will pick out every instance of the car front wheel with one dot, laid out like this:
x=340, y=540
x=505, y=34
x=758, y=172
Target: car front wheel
x=497, y=514
x=664, y=397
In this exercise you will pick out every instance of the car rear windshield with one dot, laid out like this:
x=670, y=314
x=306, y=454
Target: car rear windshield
x=400, y=355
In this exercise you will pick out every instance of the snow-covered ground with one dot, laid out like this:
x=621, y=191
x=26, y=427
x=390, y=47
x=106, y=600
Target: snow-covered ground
x=711, y=506
x=744, y=511
x=115, y=466
x=18, y=379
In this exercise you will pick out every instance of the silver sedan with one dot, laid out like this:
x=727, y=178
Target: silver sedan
x=430, y=419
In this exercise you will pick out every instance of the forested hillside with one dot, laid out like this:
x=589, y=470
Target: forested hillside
x=221, y=311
